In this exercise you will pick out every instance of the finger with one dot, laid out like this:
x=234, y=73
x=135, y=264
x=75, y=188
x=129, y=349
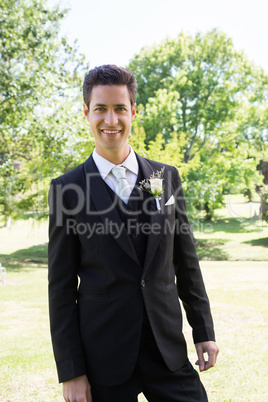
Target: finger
x=212, y=357
x=201, y=361
x=210, y=363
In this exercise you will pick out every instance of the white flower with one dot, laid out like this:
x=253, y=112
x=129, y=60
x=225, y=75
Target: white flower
x=156, y=186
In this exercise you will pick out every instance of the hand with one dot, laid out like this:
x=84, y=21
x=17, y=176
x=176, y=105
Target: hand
x=77, y=390
x=211, y=349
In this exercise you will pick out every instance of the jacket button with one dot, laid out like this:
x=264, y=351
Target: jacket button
x=143, y=283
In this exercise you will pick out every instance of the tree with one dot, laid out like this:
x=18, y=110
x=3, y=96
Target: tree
x=41, y=130
x=202, y=87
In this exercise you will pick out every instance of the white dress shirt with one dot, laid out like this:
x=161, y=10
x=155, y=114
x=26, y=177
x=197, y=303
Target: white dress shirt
x=104, y=167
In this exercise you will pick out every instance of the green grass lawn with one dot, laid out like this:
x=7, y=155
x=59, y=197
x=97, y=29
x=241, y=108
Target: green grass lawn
x=235, y=235
x=233, y=252
x=237, y=292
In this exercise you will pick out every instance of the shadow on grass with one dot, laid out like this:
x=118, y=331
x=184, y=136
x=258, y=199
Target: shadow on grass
x=32, y=257
x=235, y=225
x=210, y=242
x=208, y=249
x=258, y=242
x=212, y=254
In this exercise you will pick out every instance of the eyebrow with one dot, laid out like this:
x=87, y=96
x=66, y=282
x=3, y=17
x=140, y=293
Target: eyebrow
x=117, y=104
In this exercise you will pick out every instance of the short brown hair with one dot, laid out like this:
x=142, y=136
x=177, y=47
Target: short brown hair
x=109, y=74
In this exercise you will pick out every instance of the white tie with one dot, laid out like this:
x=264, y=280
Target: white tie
x=122, y=188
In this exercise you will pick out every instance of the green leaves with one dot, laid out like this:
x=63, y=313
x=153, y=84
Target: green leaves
x=215, y=100
x=41, y=125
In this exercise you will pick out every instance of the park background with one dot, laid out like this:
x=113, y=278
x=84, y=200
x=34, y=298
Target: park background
x=202, y=107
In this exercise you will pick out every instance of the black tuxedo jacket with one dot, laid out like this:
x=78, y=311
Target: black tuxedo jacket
x=98, y=288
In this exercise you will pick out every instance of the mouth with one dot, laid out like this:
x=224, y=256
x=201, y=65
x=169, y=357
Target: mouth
x=111, y=133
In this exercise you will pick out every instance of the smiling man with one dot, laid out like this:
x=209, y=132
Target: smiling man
x=115, y=316
x=110, y=114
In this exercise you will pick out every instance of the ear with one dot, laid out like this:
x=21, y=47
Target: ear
x=86, y=111
x=133, y=111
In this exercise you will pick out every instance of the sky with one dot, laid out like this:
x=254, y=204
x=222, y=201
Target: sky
x=113, y=31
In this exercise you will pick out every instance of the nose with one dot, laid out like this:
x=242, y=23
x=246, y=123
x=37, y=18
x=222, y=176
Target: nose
x=111, y=118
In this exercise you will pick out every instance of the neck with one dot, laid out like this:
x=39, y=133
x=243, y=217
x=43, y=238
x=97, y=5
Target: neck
x=115, y=156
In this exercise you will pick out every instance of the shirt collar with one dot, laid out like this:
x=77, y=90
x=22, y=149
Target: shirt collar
x=104, y=166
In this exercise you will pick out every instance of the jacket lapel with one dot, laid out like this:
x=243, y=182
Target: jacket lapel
x=157, y=217
x=102, y=202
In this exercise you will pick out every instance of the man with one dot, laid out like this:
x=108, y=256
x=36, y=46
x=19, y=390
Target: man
x=119, y=257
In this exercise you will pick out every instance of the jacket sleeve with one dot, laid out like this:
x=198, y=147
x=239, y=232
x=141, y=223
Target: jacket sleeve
x=63, y=263
x=190, y=283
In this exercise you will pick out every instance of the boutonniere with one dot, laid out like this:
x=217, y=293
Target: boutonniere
x=154, y=186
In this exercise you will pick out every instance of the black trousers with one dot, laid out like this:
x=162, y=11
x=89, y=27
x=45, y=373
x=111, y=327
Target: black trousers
x=152, y=377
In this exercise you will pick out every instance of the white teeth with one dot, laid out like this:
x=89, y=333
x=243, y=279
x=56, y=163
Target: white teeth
x=110, y=131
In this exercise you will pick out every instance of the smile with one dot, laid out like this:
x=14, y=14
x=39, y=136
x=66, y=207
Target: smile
x=111, y=132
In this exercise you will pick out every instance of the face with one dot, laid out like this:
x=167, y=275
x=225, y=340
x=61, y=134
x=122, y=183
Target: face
x=110, y=115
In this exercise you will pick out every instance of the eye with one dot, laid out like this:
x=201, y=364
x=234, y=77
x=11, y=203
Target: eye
x=121, y=109
x=99, y=109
